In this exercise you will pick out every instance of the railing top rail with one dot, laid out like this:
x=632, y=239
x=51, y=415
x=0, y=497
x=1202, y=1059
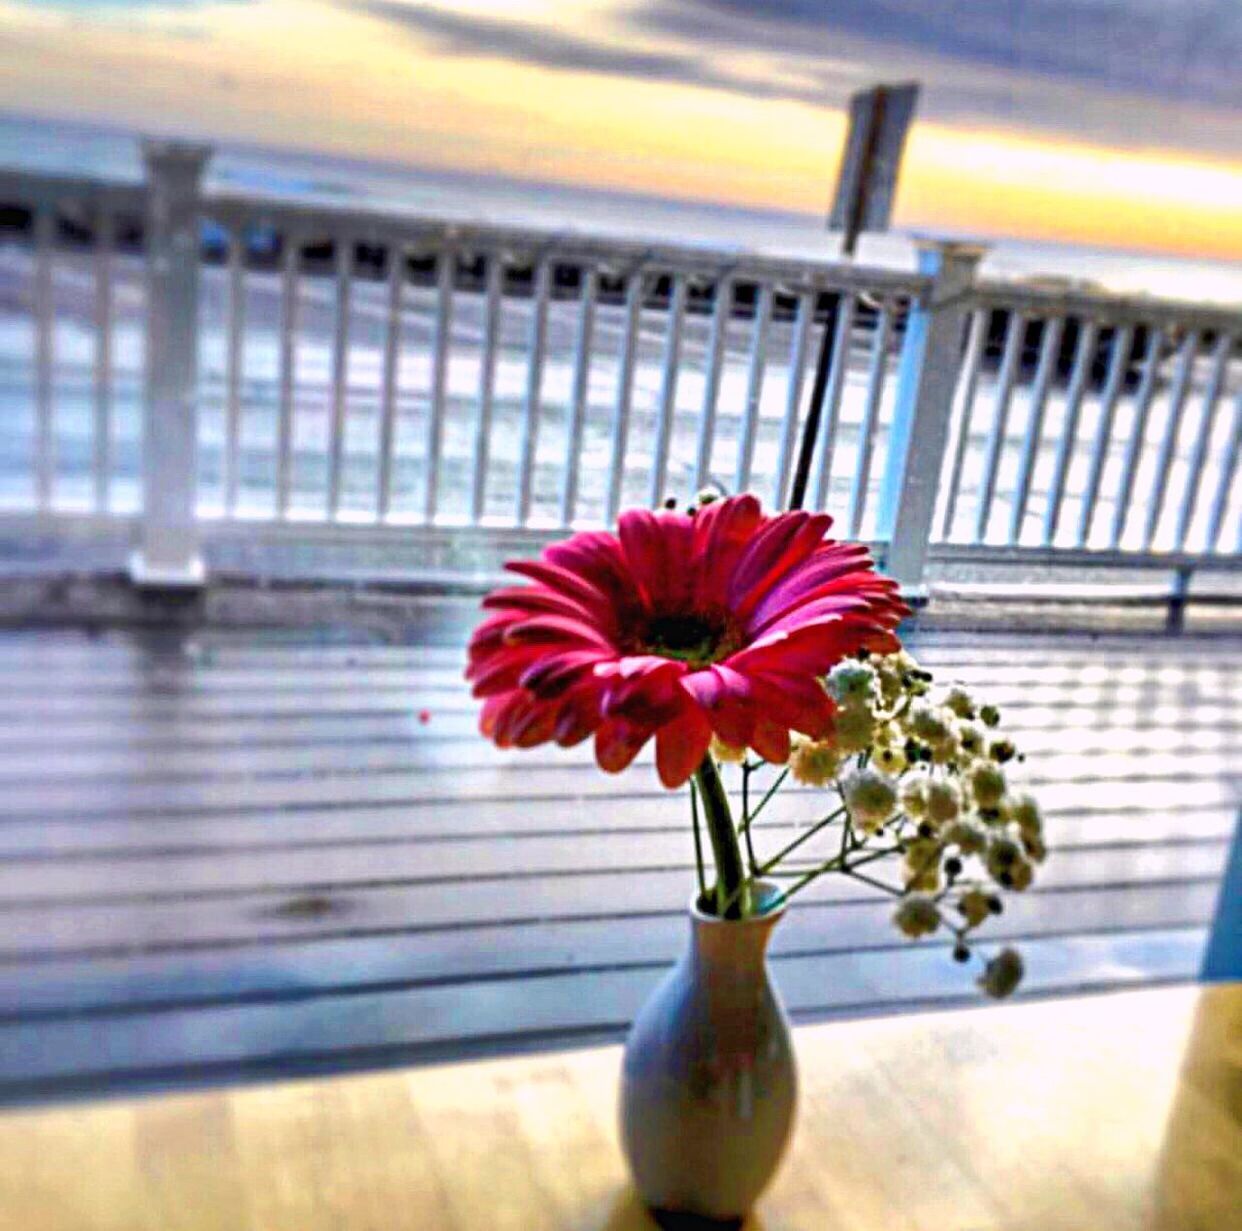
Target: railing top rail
x=612, y=253
x=41, y=188
x=1107, y=308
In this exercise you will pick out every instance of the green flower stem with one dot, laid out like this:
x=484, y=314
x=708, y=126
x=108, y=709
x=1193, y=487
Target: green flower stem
x=806, y=835
x=749, y=819
x=698, y=838
x=744, y=828
x=732, y=890
x=836, y=864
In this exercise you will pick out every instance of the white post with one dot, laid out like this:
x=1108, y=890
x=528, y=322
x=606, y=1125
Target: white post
x=168, y=554
x=926, y=380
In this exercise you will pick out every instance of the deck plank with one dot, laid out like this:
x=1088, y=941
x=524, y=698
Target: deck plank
x=224, y=853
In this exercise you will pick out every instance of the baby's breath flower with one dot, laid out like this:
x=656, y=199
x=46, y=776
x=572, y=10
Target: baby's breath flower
x=971, y=739
x=852, y=681
x=871, y=798
x=1020, y=875
x=1024, y=812
x=854, y=727
x=944, y=800
x=973, y=907
x=987, y=784
x=989, y=715
x=960, y=702
x=929, y=723
x=917, y=916
x=814, y=762
x=1002, y=750
x=914, y=796
x=888, y=680
x=923, y=864
x=888, y=735
x=892, y=760
x=1002, y=974
x=969, y=838
x=727, y=752
x=1034, y=846
x=1003, y=853
x=947, y=752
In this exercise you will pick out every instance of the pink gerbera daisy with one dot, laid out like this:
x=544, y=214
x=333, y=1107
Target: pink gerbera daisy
x=679, y=626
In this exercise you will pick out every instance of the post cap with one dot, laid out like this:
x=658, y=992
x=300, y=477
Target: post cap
x=172, y=152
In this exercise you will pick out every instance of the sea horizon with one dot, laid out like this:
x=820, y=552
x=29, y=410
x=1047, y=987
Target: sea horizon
x=56, y=146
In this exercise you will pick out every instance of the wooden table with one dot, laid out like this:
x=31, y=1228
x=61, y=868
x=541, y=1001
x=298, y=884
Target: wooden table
x=1117, y=1111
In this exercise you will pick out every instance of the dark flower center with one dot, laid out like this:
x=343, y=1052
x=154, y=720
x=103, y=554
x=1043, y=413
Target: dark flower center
x=689, y=637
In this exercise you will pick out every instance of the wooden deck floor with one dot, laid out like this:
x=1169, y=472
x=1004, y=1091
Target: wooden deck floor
x=227, y=856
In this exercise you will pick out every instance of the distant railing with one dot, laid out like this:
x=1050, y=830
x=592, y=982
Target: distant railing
x=210, y=363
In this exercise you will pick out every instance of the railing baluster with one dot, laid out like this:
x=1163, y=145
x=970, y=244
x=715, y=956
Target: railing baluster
x=668, y=391
x=388, y=392
x=625, y=391
x=1138, y=431
x=581, y=389
x=1168, y=443
x=1084, y=358
x=871, y=414
x=838, y=370
x=487, y=383
x=236, y=368
x=754, y=387
x=446, y=267
x=288, y=362
x=45, y=321
x=105, y=239
x=1049, y=347
x=1228, y=468
x=536, y=345
x=340, y=374
x=970, y=384
x=805, y=309
x=1207, y=425
x=1118, y=362
x=1015, y=335
x=716, y=347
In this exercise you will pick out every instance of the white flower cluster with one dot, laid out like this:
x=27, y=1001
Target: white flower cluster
x=928, y=775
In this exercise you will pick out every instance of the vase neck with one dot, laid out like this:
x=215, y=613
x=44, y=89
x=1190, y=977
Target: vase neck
x=725, y=948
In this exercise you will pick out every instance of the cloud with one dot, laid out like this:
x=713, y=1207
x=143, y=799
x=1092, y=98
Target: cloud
x=1186, y=50
x=1121, y=72
x=455, y=33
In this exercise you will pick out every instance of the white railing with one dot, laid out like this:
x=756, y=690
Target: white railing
x=214, y=364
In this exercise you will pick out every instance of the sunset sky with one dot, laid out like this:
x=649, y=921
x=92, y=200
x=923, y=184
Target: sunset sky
x=1112, y=122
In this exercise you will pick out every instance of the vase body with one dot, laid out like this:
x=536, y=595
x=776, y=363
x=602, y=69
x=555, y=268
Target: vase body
x=709, y=1083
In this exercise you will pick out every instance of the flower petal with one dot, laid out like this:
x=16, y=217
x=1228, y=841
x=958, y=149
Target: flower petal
x=681, y=746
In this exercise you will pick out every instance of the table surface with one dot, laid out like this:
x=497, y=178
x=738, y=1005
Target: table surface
x=1114, y=1111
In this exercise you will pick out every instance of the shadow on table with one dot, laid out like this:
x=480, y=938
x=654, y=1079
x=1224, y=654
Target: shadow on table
x=629, y=1214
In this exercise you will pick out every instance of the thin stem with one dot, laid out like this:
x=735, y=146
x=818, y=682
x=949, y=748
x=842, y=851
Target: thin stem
x=732, y=897
x=698, y=838
x=748, y=818
x=870, y=880
x=744, y=827
x=805, y=836
x=836, y=863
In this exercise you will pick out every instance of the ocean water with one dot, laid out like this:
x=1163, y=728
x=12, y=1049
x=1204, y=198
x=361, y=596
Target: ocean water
x=60, y=147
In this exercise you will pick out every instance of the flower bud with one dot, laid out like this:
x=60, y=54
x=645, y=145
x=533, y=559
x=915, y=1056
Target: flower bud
x=917, y=916
x=814, y=762
x=973, y=907
x=871, y=798
x=944, y=800
x=1002, y=974
x=987, y=784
